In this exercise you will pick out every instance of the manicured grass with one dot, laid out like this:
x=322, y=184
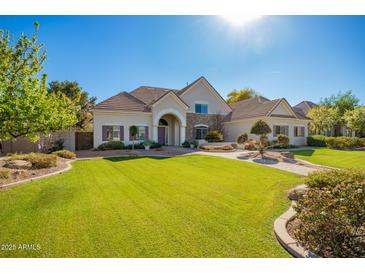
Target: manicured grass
x=193, y=206
x=332, y=157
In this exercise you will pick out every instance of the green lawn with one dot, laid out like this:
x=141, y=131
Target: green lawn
x=332, y=157
x=192, y=206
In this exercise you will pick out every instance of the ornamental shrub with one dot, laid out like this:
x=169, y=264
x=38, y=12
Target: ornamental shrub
x=242, y=138
x=111, y=145
x=38, y=160
x=4, y=173
x=251, y=145
x=186, y=144
x=214, y=136
x=316, y=141
x=331, y=214
x=65, y=154
x=282, y=141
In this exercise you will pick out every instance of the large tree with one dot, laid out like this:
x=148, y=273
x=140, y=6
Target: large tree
x=79, y=97
x=26, y=109
x=242, y=94
x=323, y=118
x=342, y=102
x=355, y=119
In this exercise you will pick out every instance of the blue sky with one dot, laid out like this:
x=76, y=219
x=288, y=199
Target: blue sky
x=296, y=57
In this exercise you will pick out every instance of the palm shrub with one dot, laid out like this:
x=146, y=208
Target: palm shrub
x=261, y=128
x=332, y=214
x=242, y=138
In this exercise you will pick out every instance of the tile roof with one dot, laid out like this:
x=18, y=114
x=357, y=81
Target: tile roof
x=304, y=107
x=122, y=101
x=149, y=95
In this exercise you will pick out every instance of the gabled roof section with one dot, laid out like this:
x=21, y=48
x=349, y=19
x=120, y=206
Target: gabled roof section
x=205, y=81
x=148, y=94
x=304, y=107
x=122, y=101
x=259, y=106
x=172, y=93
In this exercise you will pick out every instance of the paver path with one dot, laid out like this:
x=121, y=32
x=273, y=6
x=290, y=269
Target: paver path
x=241, y=155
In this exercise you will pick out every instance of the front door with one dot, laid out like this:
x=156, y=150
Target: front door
x=162, y=135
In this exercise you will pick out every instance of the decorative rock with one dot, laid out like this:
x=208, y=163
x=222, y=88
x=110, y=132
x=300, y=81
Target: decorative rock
x=18, y=164
x=297, y=193
x=287, y=154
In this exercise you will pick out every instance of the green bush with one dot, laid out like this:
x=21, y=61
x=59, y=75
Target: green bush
x=65, y=154
x=186, y=144
x=243, y=138
x=214, y=136
x=282, y=141
x=111, y=145
x=155, y=145
x=332, y=215
x=344, y=142
x=316, y=141
x=136, y=146
x=4, y=173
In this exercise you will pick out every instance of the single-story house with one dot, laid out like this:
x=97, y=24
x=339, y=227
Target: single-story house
x=172, y=116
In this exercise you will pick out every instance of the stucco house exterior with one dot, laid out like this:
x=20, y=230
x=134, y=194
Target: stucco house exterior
x=172, y=116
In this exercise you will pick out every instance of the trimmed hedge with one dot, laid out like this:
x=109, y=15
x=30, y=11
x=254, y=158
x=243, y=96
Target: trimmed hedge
x=331, y=214
x=341, y=142
x=111, y=145
x=316, y=141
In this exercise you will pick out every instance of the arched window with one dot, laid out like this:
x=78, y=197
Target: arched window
x=163, y=122
x=200, y=131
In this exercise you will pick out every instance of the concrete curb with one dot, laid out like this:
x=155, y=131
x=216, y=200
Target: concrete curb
x=282, y=235
x=68, y=167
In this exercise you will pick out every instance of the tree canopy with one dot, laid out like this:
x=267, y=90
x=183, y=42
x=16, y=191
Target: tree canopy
x=342, y=102
x=260, y=128
x=355, y=119
x=242, y=94
x=323, y=118
x=26, y=109
x=79, y=98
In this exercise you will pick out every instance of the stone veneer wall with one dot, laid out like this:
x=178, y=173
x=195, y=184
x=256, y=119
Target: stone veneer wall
x=198, y=118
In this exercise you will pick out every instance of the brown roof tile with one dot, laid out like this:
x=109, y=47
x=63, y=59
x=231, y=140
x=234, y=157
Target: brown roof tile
x=122, y=101
x=150, y=94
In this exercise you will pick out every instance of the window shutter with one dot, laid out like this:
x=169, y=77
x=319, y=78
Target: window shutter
x=104, y=129
x=130, y=135
x=121, y=133
x=146, y=136
x=274, y=131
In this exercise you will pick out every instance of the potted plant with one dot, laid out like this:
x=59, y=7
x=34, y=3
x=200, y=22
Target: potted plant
x=147, y=144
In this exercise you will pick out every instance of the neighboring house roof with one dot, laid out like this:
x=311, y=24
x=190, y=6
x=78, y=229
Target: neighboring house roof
x=259, y=106
x=122, y=101
x=304, y=107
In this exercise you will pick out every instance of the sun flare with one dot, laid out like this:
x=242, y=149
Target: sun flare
x=238, y=20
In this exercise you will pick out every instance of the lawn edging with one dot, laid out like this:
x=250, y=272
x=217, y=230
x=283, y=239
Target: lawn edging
x=68, y=167
x=291, y=245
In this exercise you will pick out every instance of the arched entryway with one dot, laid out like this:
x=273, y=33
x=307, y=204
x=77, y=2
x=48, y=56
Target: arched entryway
x=168, y=130
x=169, y=127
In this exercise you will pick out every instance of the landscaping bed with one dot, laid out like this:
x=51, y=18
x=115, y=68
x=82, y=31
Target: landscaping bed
x=21, y=167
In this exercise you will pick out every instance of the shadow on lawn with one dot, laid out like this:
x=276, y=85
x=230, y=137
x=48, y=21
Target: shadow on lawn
x=304, y=152
x=131, y=158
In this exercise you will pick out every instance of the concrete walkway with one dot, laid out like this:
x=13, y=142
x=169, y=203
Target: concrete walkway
x=293, y=166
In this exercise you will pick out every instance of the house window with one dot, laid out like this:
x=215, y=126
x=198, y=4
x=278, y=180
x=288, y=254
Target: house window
x=298, y=131
x=280, y=130
x=141, y=133
x=113, y=133
x=200, y=133
x=201, y=108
